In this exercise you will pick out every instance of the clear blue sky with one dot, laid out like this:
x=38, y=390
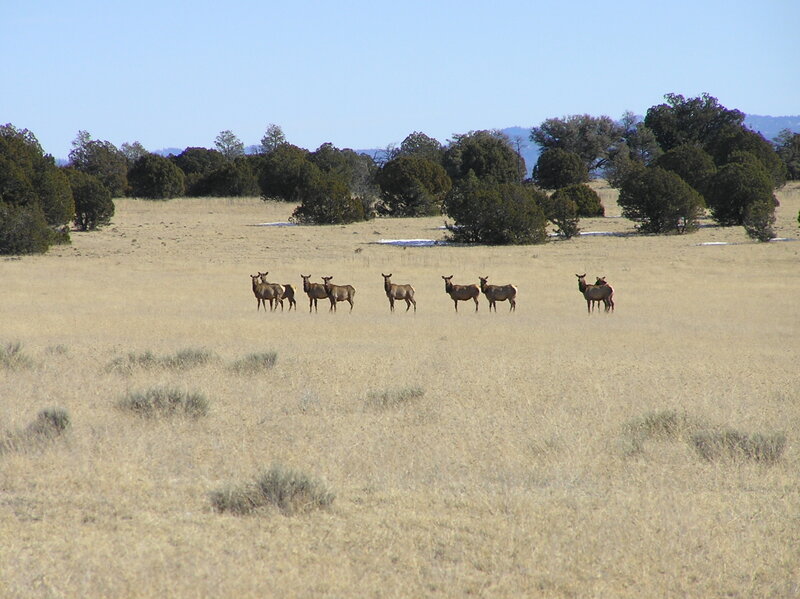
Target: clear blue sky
x=364, y=74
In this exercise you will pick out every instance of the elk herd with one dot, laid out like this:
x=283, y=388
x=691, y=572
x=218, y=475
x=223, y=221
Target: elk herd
x=276, y=293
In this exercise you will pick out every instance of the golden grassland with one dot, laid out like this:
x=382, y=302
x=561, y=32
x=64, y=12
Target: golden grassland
x=514, y=473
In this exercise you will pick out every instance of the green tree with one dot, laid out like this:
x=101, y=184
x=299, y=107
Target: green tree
x=587, y=201
x=35, y=194
x=564, y=215
x=197, y=164
x=691, y=163
x=412, y=185
x=660, y=201
x=693, y=120
x=94, y=206
x=787, y=145
x=132, y=151
x=589, y=137
x=235, y=178
x=733, y=140
x=23, y=229
x=485, y=211
x=155, y=177
x=101, y=159
x=736, y=186
x=558, y=168
x=420, y=145
x=489, y=155
x=229, y=145
x=759, y=220
x=326, y=200
x=284, y=173
x=273, y=137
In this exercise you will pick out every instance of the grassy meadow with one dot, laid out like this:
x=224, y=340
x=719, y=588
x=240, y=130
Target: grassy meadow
x=652, y=452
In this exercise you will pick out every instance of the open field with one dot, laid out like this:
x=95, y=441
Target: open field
x=541, y=453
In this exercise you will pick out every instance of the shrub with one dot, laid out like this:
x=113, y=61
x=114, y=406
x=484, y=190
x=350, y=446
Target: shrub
x=160, y=401
x=11, y=356
x=48, y=426
x=735, y=187
x=660, y=201
x=326, y=200
x=23, y=230
x=558, y=168
x=759, y=220
x=563, y=213
x=712, y=445
x=495, y=214
x=663, y=425
x=393, y=398
x=290, y=491
x=182, y=360
x=93, y=204
x=155, y=177
x=587, y=199
x=255, y=363
x=412, y=186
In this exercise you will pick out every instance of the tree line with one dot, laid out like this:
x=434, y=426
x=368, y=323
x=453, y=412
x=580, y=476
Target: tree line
x=686, y=156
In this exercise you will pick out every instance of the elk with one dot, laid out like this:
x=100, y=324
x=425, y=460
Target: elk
x=338, y=293
x=272, y=292
x=315, y=291
x=398, y=292
x=596, y=294
x=499, y=293
x=259, y=290
x=461, y=293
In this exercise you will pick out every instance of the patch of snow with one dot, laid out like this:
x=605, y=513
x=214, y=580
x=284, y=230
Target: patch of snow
x=411, y=242
x=278, y=224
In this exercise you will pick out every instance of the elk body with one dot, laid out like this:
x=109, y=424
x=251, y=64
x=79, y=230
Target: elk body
x=461, y=293
x=315, y=291
x=338, y=293
x=288, y=294
x=499, y=293
x=272, y=292
x=259, y=290
x=398, y=292
x=596, y=293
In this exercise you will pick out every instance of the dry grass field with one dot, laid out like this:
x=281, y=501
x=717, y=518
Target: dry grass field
x=541, y=453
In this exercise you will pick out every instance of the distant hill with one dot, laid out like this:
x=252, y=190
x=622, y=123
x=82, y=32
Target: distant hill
x=770, y=126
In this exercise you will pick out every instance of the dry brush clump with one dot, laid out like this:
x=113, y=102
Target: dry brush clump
x=393, y=398
x=766, y=448
x=182, y=360
x=254, y=363
x=50, y=424
x=164, y=402
x=290, y=491
x=12, y=357
x=709, y=442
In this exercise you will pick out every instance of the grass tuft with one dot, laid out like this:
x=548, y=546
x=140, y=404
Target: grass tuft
x=290, y=491
x=713, y=445
x=393, y=398
x=665, y=425
x=255, y=363
x=48, y=426
x=159, y=401
x=182, y=360
x=12, y=358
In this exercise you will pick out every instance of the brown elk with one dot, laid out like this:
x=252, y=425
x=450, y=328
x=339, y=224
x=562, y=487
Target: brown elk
x=596, y=294
x=315, y=291
x=461, y=293
x=272, y=292
x=499, y=293
x=398, y=292
x=259, y=290
x=288, y=293
x=338, y=293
